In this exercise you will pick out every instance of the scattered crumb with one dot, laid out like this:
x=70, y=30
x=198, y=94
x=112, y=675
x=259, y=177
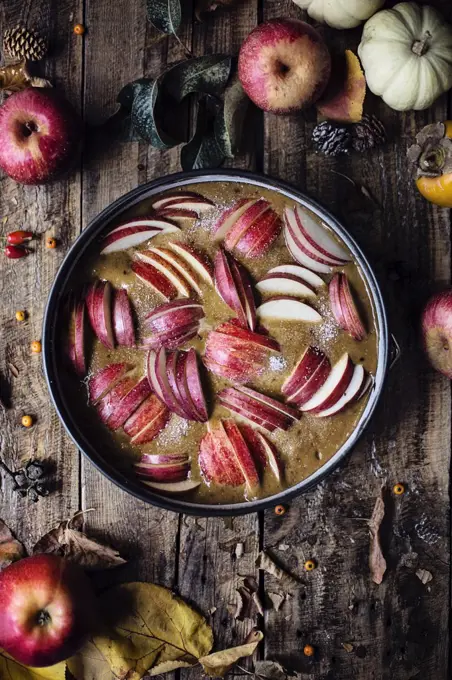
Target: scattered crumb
x=424, y=576
x=176, y=428
x=277, y=363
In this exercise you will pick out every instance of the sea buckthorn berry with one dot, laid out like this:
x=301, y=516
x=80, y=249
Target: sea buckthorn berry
x=20, y=315
x=36, y=347
x=309, y=565
x=27, y=421
x=79, y=29
x=280, y=510
x=51, y=243
x=308, y=650
x=399, y=489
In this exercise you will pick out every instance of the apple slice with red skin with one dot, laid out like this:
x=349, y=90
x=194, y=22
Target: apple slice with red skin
x=233, y=471
x=285, y=285
x=233, y=373
x=99, y=307
x=170, y=339
x=252, y=416
x=173, y=316
x=226, y=285
x=106, y=379
x=252, y=408
x=242, y=281
x=173, y=488
x=334, y=290
x=350, y=394
x=109, y=404
x=354, y=325
x=162, y=458
x=283, y=308
x=306, y=275
x=125, y=407
x=258, y=238
x=293, y=225
x=263, y=451
x=230, y=216
x=79, y=355
x=300, y=256
x=152, y=277
x=242, y=453
x=194, y=385
x=309, y=362
x=165, y=367
x=183, y=393
x=166, y=269
x=318, y=237
x=333, y=388
x=136, y=231
x=235, y=330
x=176, y=472
x=186, y=199
x=148, y=421
x=195, y=259
x=151, y=369
x=239, y=366
x=122, y=319
x=178, y=215
x=181, y=265
x=253, y=214
x=315, y=382
x=273, y=404
x=217, y=461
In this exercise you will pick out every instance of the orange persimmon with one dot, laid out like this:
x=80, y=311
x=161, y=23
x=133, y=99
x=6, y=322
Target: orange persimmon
x=438, y=190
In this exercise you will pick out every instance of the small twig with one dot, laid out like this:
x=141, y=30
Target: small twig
x=188, y=52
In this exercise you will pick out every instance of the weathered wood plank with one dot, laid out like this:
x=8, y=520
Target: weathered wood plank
x=24, y=284
x=390, y=626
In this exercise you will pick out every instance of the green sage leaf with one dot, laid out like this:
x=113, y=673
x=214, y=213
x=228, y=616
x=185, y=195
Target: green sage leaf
x=207, y=75
x=165, y=15
x=143, y=116
x=231, y=118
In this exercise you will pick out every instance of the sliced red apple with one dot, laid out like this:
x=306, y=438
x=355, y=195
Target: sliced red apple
x=319, y=238
x=230, y=216
x=301, y=257
x=175, y=472
x=134, y=232
x=242, y=453
x=353, y=323
x=314, y=383
x=188, y=200
x=253, y=409
x=173, y=315
x=254, y=214
x=334, y=290
x=126, y=406
x=152, y=277
x=350, y=394
x=182, y=389
x=106, y=379
x=245, y=292
x=274, y=404
x=79, y=354
x=171, y=339
x=108, y=404
x=287, y=309
x=122, y=319
x=99, y=306
x=173, y=488
x=178, y=215
x=258, y=238
x=147, y=422
x=161, y=458
x=165, y=368
x=151, y=369
x=199, y=262
x=194, y=385
x=333, y=388
x=234, y=330
x=166, y=269
x=227, y=287
x=306, y=275
x=309, y=362
x=294, y=226
x=263, y=451
x=181, y=265
x=285, y=285
x=217, y=460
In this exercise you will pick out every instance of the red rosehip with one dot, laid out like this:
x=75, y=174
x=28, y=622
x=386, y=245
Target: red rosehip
x=16, y=252
x=16, y=238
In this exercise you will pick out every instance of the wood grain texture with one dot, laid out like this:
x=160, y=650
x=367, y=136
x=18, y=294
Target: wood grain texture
x=24, y=284
x=408, y=243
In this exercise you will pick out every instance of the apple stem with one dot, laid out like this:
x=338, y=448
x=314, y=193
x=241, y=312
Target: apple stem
x=43, y=618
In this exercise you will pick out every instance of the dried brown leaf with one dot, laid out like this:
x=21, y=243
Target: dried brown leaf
x=248, y=602
x=216, y=665
x=377, y=562
x=14, y=370
x=266, y=563
x=11, y=549
x=424, y=576
x=348, y=647
x=277, y=600
x=77, y=547
x=269, y=670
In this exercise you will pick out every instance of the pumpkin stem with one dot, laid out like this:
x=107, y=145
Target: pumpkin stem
x=420, y=47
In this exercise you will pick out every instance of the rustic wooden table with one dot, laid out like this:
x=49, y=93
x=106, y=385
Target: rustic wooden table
x=397, y=630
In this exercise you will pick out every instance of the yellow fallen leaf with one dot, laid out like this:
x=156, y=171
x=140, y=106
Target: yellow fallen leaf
x=10, y=669
x=148, y=627
x=10, y=548
x=216, y=665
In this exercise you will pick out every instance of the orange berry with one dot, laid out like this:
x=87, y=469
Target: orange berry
x=36, y=347
x=27, y=421
x=79, y=29
x=20, y=315
x=309, y=565
x=308, y=650
x=280, y=510
x=398, y=489
x=51, y=243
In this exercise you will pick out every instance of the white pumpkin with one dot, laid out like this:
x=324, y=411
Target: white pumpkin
x=406, y=54
x=340, y=13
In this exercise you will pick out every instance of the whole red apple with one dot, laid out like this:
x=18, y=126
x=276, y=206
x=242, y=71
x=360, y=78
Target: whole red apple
x=40, y=135
x=284, y=65
x=437, y=331
x=46, y=609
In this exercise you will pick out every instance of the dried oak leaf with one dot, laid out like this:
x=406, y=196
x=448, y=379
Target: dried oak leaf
x=248, y=601
x=377, y=562
x=216, y=665
x=11, y=549
x=344, y=97
x=10, y=669
x=269, y=670
x=74, y=545
x=265, y=562
x=148, y=631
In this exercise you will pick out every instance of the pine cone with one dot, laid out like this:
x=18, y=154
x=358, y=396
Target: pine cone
x=368, y=133
x=331, y=139
x=21, y=43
